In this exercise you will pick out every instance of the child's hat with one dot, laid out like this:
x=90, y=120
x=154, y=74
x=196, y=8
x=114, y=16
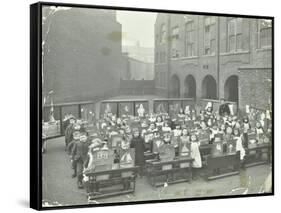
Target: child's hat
x=76, y=127
x=76, y=134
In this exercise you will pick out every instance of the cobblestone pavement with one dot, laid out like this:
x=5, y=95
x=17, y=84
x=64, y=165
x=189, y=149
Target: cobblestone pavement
x=60, y=188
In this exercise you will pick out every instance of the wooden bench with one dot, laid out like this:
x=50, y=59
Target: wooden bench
x=254, y=155
x=160, y=173
x=223, y=165
x=103, y=183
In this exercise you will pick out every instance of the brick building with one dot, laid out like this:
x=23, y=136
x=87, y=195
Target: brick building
x=190, y=62
x=82, y=54
x=137, y=69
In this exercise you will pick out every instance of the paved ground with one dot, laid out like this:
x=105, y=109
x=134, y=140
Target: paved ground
x=60, y=188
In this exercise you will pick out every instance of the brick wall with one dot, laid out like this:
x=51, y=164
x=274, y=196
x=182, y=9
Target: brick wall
x=255, y=87
x=200, y=65
x=137, y=87
x=82, y=54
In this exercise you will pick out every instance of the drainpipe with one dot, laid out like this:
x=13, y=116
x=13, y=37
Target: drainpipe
x=218, y=57
x=168, y=54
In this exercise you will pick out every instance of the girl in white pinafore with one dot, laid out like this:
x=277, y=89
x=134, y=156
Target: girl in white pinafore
x=239, y=143
x=195, y=154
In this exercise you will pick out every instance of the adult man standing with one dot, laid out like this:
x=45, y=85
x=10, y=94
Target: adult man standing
x=224, y=108
x=79, y=155
x=69, y=131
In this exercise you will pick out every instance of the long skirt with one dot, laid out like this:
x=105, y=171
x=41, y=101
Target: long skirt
x=195, y=154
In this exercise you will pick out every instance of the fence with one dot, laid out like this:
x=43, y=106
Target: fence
x=171, y=105
x=216, y=104
x=124, y=107
x=54, y=122
x=54, y=116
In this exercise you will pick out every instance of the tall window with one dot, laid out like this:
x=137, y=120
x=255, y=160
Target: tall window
x=157, y=39
x=264, y=33
x=162, y=57
x=175, y=37
x=234, y=29
x=157, y=77
x=163, y=34
x=161, y=79
x=209, y=35
x=156, y=59
x=189, y=38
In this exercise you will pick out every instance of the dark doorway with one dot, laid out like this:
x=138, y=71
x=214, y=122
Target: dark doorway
x=190, y=87
x=231, y=89
x=209, y=87
x=175, y=87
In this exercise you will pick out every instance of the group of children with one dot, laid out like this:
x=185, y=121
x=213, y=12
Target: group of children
x=184, y=127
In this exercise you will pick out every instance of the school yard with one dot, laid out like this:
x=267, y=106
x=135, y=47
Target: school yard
x=59, y=188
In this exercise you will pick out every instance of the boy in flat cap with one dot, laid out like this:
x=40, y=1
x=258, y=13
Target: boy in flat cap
x=76, y=138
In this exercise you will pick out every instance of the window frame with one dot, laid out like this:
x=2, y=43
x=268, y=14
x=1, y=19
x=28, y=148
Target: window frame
x=259, y=29
x=163, y=34
x=189, y=38
x=209, y=25
x=235, y=34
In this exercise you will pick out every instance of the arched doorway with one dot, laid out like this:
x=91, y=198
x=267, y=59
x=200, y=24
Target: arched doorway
x=231, y=88
x=209, y=87
x=189, y=87
x=174, y=87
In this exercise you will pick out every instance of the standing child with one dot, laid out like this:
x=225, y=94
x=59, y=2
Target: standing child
x=139, y=145
x=76, y=137
x=195, y=154
x=246, y=126
x=239, y=145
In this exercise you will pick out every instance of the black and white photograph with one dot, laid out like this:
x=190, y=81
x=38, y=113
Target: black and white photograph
x=141, y=105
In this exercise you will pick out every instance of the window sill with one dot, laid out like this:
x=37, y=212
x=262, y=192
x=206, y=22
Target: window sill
x=184, y=58
x=235, y=53
x=264, y=49
x=210, y=55
x=162, y=63
x=160, y=87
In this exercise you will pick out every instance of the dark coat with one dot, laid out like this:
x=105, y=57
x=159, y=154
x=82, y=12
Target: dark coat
x=80, y=150
x=138, y=145
x=224, y=108
x=70, y=146
x=69, y=133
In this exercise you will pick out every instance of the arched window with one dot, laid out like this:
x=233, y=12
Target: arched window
x=209, y=87
x=190, y=87
x=174, y=87
x=231, y=88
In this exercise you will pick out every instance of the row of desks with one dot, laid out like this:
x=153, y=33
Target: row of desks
x=102, y=183
x=169, y=172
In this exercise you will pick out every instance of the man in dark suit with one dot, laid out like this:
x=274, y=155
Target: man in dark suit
x=79, y=155
x=138, y=144
x=69, y=131
x=224, y=108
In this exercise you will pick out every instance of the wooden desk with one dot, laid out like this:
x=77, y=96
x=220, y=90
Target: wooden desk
x=254, y=154
x=100, y=182
x=205, y=152
x=149, y=155
x=217, y=164
x=174, y=171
